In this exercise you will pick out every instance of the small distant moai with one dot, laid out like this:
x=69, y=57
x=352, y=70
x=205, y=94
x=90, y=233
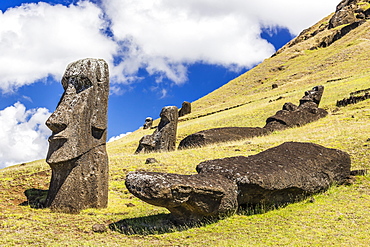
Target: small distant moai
x=185, y=109
x=164, y=137
x=77, y=147
x=148, y=123
x=312, y=96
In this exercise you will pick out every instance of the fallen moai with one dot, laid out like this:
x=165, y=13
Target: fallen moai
x=164, y=137
x=284, y=174
x=290, y=116
x=77, y=147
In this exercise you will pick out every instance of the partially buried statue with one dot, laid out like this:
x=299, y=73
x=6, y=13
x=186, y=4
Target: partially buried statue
x=290, y=116
x=163, y=138
x=77, y=147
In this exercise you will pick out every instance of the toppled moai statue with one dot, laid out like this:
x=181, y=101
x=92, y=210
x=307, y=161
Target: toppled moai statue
x=290, y=116
x=284, y=174
x=185, y=109
x=148, y=123
x=295, y=116
x=164, y=137
x=77, y=147
x=217, y=135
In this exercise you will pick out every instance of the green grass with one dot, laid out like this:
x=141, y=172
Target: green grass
x=337, y=217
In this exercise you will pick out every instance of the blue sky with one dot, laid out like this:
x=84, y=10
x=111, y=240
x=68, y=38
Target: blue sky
x=160, y=52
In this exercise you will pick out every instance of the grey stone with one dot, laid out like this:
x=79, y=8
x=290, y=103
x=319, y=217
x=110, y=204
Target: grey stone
x=185, y=109
x=77, y=147
x=164, y=137
x=284, y=174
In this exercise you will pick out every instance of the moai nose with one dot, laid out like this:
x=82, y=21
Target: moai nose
x=56, y=122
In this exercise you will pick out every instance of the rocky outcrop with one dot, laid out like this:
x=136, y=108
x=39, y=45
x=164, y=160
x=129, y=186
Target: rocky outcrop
x=290, y=116
x=164, y=137
x=349, y=15
x=349, y=12
x=77, y=147
x=354, y=98
x=280, y=175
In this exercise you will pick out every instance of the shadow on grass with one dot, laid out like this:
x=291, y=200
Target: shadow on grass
x=36, y=198
x=154, y=224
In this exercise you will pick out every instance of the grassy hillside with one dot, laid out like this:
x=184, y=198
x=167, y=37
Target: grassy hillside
x=338, y=217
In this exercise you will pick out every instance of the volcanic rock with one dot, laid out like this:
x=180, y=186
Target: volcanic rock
x=77, y=147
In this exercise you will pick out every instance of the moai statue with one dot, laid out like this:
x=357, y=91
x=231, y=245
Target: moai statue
x=148, y=123
x=77, y=147
x=164, y=137
x=185, y=109
x=312, y=96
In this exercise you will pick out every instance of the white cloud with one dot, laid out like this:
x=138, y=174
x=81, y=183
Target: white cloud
x=114, y=138
x=37, y=40
x=23, y=134
x=164, y=36
x=161, y=36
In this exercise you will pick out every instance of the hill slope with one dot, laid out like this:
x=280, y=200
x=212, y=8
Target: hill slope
x=337, y=217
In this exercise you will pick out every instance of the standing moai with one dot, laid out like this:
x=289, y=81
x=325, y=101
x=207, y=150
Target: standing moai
x=148, y=123
x=164, y=137
x=77, y=147
x=185, y=109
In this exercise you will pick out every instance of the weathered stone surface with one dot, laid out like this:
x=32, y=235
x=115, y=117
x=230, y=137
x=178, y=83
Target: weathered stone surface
x=217, y=135
x=283, y=174
x=148, y=123
x=77, y=147
x=290, y=116
x=151, y=161
x=187, y=197
x=280, y=175
x=185, y=109
x=164, y=137
x=296, y=116
x=348, y=12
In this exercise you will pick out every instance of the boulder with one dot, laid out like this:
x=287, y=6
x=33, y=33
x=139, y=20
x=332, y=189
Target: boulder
x=284, y=174
x=163, y=138
x=77, y=147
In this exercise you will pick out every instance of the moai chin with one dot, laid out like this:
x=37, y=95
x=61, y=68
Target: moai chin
x=77, y=147
x=163, y=138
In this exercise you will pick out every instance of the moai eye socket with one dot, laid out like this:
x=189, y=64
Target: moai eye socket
x=80, y=83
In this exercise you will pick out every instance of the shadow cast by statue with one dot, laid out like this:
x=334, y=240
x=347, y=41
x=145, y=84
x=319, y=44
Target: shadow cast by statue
x=36, y=198
x=155, y=224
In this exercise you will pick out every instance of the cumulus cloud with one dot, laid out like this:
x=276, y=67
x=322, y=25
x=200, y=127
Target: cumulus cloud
x=114, y=138
x=23, y=134
x=38, y=40
x=161, y=36
x=164, y=36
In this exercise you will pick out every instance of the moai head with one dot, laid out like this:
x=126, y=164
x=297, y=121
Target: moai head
x=313, y=95
x=80, y=121
x=185, y=109
x=148, y=123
